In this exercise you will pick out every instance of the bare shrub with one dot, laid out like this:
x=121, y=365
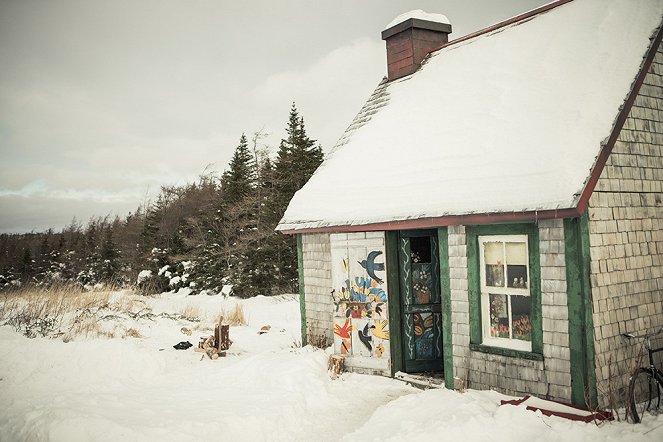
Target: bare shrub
x=132, y=333
x=152, y=285
x=315, y=337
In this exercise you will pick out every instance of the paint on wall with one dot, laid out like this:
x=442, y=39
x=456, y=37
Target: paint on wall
x=361, y=312
x=342, y=336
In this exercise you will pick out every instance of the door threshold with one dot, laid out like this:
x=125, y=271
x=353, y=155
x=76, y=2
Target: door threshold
x=422, y=381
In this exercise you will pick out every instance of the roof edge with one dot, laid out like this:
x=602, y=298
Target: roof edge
x=510, y=21
x=618, y=125
x=440, y=221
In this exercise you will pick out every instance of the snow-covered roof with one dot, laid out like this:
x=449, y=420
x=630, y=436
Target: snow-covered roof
x=508, y=121
x=418, y=14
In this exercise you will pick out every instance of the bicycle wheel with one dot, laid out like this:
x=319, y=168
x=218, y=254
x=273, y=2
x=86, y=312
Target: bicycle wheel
x=644, y=394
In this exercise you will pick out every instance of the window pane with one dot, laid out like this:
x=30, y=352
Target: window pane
x=516, y=253
x=499, y=316
x=420, y=249
x=422, y=283
x=516, y=269
x=520, y=314
x=516, y=276
x=494, y=275
x=493, y=254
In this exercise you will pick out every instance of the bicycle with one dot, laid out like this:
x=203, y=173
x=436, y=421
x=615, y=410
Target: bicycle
x=646, y=384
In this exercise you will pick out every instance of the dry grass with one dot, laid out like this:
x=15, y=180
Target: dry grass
x=68, y=312
x=234, y=316
x=42, y=313
x=190, y=313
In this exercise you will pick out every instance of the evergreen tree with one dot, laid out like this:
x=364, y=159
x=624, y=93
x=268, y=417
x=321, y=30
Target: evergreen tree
x=108, y=263
x=298, y=157
x=224, y=225
x=237, y=182
x=149, y=236
x=26, y=265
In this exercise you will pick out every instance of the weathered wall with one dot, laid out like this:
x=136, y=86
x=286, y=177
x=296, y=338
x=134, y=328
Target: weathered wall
x=626, y=239
x=316, y=254
x=550, y=377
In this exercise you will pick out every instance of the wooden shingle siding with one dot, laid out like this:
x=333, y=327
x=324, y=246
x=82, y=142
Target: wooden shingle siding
x=626, y=238
x=512, y=375
x=460, y=305
x=554, y=310
x=316, y=253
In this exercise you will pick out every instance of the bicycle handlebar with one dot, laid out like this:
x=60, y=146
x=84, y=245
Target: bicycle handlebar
x=645, y=336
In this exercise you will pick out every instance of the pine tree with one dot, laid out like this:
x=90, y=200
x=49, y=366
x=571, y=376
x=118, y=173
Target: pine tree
x=26, y=265
x=108, y=263
x=149, y=236
x=237, y=182
x=231, y=219
x=298, y=157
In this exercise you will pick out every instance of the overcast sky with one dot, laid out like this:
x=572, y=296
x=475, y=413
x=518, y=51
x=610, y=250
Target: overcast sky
x=102, y=102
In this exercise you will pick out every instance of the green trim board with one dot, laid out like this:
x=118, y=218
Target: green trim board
x=474, y=282
x=506, y=352
x=588, y=309
x=581, y=324
x=445, y=292
x=302, y=295
x=393, y=297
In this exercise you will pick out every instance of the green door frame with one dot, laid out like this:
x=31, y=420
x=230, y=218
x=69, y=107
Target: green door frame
x=395, y=321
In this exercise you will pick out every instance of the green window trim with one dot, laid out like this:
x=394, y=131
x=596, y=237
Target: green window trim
x=506, y=352
x=474, y=287
x=302, y=296
x=445, y=299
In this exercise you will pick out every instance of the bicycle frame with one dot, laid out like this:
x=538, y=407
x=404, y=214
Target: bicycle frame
x=655, y=376
x=651, y=352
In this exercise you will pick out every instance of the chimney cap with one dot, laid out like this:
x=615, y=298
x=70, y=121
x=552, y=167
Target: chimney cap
x=417, y=19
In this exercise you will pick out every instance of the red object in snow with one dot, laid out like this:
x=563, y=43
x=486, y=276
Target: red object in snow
x=560, y=409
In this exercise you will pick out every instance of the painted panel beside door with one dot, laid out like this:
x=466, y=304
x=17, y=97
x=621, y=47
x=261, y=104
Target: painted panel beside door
x=361, y=316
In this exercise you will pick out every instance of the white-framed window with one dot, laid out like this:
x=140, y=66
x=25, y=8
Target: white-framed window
x=506, y=306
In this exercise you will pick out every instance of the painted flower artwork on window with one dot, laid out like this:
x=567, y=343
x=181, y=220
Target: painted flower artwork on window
x=499, y=317
x=522, y=329
x=505, y=287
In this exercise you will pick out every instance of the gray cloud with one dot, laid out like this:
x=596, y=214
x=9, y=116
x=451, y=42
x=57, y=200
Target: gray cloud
x=103, y=102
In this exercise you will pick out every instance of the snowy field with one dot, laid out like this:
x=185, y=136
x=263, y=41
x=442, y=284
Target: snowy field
x=136, y=387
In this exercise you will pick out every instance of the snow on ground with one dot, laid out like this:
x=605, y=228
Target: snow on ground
x=267, y=388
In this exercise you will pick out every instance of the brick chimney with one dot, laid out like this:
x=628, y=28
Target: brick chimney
x=412, y=36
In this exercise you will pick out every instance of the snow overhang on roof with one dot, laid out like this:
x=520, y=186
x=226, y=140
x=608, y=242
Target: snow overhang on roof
x=418, y=14
x=417, y=18
x=507, y=122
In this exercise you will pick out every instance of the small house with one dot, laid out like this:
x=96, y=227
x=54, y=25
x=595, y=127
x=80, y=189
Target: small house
x=494, y=213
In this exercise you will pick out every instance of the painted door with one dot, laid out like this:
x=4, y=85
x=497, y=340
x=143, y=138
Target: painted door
x=419, y=268
x=361, y=312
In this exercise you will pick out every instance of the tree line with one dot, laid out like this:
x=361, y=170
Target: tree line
x=207, y=236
